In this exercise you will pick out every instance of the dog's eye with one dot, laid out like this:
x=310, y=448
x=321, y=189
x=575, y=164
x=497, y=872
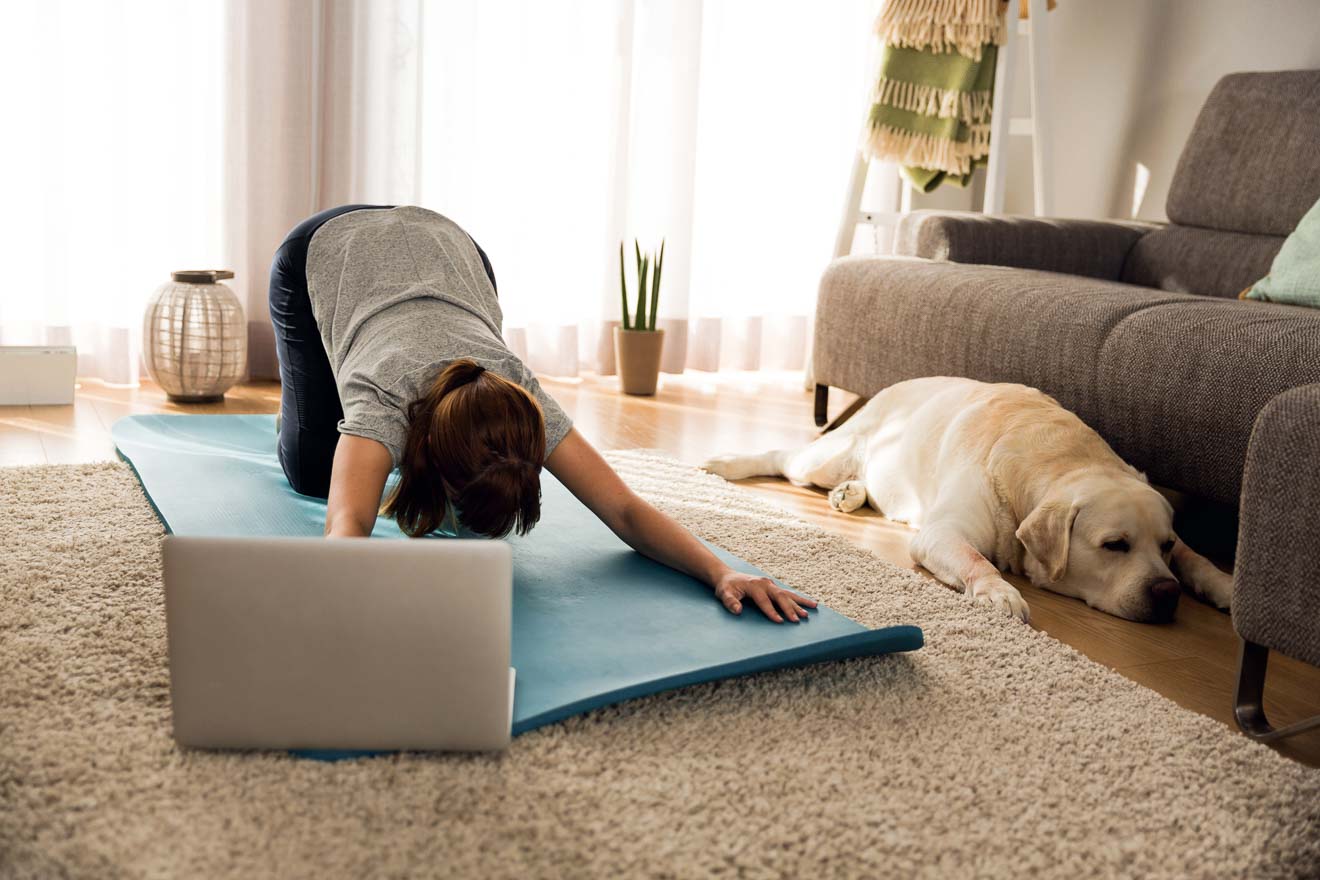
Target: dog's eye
x=1119, y=546
x=1167, y=547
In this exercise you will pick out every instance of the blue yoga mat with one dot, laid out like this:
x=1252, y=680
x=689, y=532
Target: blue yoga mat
x=594, y=622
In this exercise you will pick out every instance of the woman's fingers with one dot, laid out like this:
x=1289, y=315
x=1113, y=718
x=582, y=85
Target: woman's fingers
x=775, y=603
x=767, y=607
x=792, y=610
x=786, y=605
x=767, y=598
x=801, y=600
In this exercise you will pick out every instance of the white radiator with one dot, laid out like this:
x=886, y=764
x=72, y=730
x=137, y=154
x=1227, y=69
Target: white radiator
x=37, y=374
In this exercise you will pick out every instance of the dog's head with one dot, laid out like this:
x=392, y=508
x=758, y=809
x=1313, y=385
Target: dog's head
x=1106, y=539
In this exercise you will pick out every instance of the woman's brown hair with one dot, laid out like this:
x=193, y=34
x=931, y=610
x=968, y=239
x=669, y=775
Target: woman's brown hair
x=476, y=440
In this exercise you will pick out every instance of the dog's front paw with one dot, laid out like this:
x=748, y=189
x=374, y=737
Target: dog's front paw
x=1219, y=595
x=847, y=497
x=1207, y=582
x=1002, y=596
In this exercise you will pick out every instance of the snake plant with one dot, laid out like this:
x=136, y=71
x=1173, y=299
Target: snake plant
x=649, y=266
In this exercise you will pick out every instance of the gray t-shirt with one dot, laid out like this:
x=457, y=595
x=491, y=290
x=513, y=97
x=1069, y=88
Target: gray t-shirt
x=398, y=294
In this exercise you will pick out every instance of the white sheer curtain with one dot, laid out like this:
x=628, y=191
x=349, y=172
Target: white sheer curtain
x=156, y=135
x=553, y=131
x=111, y=167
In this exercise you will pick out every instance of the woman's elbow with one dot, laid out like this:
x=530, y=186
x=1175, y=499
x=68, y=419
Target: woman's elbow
x=630, y=517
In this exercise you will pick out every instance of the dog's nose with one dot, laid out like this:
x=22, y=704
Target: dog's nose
x=1164, y=595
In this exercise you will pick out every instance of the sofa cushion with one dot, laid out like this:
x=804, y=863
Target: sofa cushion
x=1249, y=164
x=1210, y=262
x=884, y=320
x=1179, y=385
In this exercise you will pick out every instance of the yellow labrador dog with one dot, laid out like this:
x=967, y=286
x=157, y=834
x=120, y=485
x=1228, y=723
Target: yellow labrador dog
x=1002, y=478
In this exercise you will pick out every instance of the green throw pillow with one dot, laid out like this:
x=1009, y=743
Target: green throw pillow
x=1295, y=273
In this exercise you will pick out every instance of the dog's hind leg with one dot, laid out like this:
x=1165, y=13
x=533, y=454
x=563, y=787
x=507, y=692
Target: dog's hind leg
x=825, y=462
x=736, y=466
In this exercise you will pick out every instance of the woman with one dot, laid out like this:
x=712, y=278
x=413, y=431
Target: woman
x=387, y=327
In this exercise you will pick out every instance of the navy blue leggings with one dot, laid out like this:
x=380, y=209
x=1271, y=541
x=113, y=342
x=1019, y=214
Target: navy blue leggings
x=309, y=399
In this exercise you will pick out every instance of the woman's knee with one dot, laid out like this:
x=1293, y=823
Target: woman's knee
x=308, y=461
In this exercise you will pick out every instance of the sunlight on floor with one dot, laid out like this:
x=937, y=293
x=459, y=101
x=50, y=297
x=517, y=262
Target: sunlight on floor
x=36, y=426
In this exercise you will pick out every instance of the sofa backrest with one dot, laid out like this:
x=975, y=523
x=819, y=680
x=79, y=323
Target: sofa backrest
x=1209, y=262
x=1247, y=174
x=1252, y=162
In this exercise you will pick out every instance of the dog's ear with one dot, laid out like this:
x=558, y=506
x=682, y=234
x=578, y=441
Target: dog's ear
x=1045, y=533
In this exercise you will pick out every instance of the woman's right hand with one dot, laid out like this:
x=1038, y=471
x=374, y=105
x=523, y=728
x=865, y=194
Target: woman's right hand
x=357, y=481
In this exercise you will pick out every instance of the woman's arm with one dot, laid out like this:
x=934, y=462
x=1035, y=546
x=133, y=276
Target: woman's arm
x=648, y=531
x=357, y=480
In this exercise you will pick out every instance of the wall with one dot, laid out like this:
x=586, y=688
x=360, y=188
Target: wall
x=1127, y=79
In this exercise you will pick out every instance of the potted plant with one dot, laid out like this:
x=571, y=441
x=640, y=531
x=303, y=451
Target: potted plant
x=637, y=343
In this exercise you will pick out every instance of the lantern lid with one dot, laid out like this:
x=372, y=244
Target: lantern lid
x=201, y=276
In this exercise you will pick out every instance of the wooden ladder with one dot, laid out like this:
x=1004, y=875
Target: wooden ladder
x=1002, y=126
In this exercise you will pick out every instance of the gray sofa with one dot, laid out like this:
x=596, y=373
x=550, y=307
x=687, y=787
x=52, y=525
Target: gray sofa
x=1137, y=328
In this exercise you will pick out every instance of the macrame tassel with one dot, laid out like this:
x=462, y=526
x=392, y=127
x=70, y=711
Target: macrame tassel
x=917, y=150
x=980, y=142
x=924, y=151
x=963, y=26
x=966, y=107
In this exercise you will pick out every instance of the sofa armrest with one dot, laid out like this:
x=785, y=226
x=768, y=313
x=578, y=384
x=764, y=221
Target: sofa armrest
x=1093, y=248
x=1276, y=582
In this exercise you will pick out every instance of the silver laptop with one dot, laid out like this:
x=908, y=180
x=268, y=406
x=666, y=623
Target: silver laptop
x=312, y=643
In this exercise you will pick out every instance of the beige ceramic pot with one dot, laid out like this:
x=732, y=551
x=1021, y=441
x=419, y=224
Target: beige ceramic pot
x=637, y=353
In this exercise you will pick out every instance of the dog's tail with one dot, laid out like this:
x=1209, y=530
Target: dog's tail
x=740, y=467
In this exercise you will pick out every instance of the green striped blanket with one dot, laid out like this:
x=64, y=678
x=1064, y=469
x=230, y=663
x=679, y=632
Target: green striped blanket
x=931, y=107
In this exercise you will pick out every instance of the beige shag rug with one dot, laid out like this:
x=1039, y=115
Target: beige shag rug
x=994, y=751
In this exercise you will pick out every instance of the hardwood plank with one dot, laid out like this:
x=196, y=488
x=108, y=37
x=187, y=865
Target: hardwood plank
x=1208, y=689
x=72, y=434
x=19, y=444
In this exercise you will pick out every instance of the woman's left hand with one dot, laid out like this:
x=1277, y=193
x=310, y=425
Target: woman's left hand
x=734, y=588
x=651, y=533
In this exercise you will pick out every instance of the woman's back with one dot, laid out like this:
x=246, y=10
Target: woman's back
x=397, y=294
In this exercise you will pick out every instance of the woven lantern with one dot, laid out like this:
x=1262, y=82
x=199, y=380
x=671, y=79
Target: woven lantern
x=194, y=336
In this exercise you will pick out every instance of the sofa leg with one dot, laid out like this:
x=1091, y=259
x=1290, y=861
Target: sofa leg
x=1248, y=701
x=822, y=405
x=846, y=414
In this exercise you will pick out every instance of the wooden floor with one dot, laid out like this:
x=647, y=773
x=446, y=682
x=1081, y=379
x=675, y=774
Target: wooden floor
x=1191, y=661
